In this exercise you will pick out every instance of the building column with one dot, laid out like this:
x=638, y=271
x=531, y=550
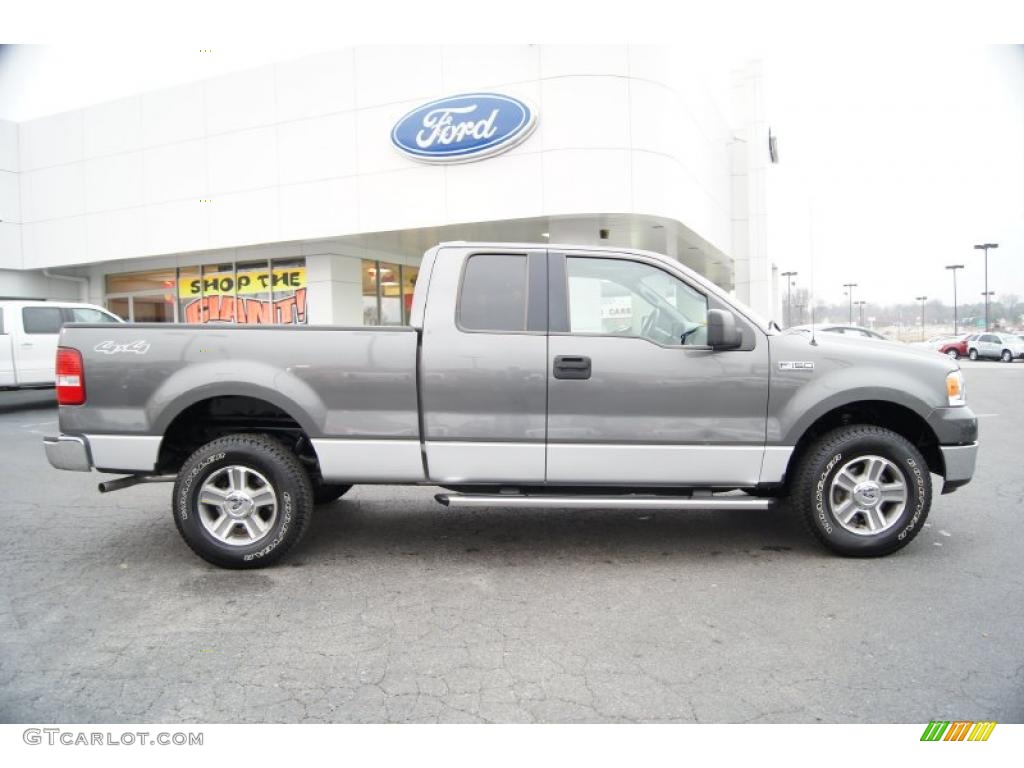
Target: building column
x=750, y=160
x=334, y=285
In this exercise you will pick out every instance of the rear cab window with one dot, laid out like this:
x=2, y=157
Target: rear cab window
x=494, y=293
x=41, y=320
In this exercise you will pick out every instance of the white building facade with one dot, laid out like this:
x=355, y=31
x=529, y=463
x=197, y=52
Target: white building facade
x=277, y=194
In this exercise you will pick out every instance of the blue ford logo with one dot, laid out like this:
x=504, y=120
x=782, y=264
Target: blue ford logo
x=463, y=128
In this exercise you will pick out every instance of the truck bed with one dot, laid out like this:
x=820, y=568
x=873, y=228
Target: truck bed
x=351, y=382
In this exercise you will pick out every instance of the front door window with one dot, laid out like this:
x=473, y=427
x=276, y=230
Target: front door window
x=615, y=297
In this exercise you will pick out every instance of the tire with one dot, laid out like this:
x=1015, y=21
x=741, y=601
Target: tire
x=973, y=354
x=1007, y=356
x=235, y=473
x=952, y=353
x=325, y=493
x=833, y=476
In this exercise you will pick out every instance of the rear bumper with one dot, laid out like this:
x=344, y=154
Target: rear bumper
x=959, y=461
x=65, y=452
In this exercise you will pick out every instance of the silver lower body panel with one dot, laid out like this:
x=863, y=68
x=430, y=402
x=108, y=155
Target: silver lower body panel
x=64, y=452
x=959, y=461
x=124, y=453
x=602, y=502
x=369, y=461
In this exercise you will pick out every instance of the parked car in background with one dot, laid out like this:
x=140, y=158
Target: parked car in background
x=845, y=330
x=955, y=346
x=28, y=338
x=935, y=342
x=996, y=346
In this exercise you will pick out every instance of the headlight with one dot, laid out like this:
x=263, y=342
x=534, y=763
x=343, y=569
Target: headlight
x=955, y=388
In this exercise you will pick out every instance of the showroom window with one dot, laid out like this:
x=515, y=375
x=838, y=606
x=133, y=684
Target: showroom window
x=387, y=292
x=249, y=293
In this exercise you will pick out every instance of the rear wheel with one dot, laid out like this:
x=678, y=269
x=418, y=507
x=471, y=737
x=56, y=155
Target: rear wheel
x=862, y=491
x=973, y=354
x=242, y=501
x=1007, y=356
x=953, y=354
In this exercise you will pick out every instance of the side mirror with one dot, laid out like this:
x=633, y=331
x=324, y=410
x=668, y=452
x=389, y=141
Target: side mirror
x=722, y=330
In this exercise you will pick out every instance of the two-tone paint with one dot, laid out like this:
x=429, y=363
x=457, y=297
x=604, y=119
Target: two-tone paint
x=436, y=403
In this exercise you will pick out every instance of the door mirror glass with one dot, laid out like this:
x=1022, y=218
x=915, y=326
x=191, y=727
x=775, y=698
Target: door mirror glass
x=722, y=330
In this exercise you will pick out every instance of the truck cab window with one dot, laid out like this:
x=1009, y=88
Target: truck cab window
x=41, y=319
x=86, y=315
x=616, y=297
x=493, y=294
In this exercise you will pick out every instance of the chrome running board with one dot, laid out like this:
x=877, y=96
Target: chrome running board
x=549, y=501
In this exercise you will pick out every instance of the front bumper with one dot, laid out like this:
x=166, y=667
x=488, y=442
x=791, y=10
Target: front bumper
x=959, y=461
x=66, y=452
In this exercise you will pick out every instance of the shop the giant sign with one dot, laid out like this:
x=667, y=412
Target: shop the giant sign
x=244, y=297
x=460, y=129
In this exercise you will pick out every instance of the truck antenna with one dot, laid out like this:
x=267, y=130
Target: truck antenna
x=810, y=238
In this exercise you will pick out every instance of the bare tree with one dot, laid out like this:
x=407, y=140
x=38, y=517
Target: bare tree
x=1011, y=305
x=801, y=301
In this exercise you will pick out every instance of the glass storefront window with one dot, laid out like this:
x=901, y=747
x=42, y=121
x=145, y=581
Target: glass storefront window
x=371, y=313
x=120, y=308
x=387, y=292
x=153, y=309
x=389, y=280
x=289, y=291
x=218, y=304
x=255, y=292
x=134, y=282
x=190, y=293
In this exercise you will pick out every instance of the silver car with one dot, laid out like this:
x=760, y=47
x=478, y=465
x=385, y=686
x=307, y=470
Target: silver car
x=996, y=346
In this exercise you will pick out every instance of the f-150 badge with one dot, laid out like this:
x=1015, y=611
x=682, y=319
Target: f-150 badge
x=796, y=365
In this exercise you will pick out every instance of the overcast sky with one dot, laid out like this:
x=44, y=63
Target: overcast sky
x=907, y=155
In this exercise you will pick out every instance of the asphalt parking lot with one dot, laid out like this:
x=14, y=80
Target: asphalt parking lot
x=395, y=609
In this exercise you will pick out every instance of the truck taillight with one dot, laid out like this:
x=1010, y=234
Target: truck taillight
x=70, y=377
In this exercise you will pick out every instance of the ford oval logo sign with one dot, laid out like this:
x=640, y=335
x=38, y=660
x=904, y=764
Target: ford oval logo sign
x=460, y=129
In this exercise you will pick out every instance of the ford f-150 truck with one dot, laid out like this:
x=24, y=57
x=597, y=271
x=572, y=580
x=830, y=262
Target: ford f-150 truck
x=529, y=376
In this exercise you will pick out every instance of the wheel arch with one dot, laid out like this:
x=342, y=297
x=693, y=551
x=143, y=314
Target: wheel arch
x=198, y=420
x=900, y=418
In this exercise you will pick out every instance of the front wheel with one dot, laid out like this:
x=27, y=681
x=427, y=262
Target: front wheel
x=973, y=354
x=242, y=501
x=1007, y=356
x=953, y=354
x=325, y=493
x=862, y=491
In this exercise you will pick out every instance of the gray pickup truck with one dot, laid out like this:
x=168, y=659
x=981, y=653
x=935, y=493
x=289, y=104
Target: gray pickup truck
x=529, y=376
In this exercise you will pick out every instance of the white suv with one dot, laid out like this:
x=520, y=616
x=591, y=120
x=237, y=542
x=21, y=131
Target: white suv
x=28, y=338
x=998, y=346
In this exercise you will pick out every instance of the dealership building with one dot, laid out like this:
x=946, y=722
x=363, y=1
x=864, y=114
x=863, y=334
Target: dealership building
x=306, y=191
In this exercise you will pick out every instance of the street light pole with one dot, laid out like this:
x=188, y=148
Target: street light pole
x=849, y=287
x=922, y=299
x=984, y=247
x=986, y=294
x=954, y=268
x=860, y=310
x=789, y=297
